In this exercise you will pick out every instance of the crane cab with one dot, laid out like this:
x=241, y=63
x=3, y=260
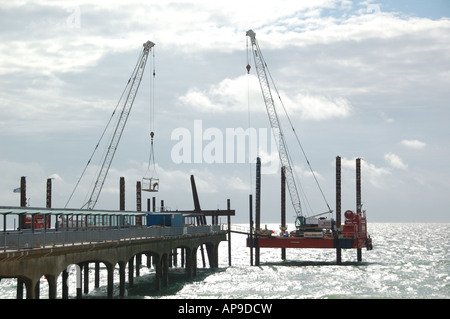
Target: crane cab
x=150, y=184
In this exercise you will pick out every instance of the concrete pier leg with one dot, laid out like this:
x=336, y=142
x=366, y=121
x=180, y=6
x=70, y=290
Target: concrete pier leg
x=79, y=289
x=51, y=286
x=213, y=252
x=157, y=263
x=182, y=257
x=97, y=275
x=203, y=256
x=86, y=277
x=65, y=287
x=165, y=270
x=188, y=263
x=19, y=294
x=30, y=288
x=194, y=262
x=175, y=257
x=110, y=288
x=138, y=264
x=37, y=289
x=121, y=279
x=131, y=272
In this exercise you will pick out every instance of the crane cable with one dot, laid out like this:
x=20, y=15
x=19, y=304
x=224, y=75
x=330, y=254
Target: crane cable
x=101, y=137
x=248, y=115
x=97, y=145
x=298, y=141
x=295, y=134
x=151, y=159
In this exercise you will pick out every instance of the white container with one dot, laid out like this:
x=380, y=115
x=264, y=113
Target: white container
x=311, y=221
x=325, y=223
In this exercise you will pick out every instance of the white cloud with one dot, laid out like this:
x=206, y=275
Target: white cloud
x=316, y=107
x=395, y=161
x=331, y=60
x=386, y=118
x=231, y=95
x=376, y=176
x=414, y=144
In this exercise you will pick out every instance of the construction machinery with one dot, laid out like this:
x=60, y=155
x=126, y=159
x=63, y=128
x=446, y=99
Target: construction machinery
x=124, y=106
x=311, y=231
x=286, y=162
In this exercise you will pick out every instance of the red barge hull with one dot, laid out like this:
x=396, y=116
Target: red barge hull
x=294, y=242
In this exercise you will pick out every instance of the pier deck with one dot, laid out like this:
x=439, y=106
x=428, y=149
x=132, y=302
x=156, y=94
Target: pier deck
x=35, y=252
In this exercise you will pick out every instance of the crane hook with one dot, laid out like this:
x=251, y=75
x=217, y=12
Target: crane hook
x=248, y=68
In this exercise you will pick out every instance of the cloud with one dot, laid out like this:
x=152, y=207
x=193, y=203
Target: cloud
x=386, y=118
x=395, y=161
x=414, y=144
x=375, y=176
x=316, y=107
x=236, y=95
x=343, y=60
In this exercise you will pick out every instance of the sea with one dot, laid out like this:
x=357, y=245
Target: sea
x=408, y=261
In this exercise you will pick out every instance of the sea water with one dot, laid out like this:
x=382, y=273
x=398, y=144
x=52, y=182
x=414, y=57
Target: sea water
x=408, y=260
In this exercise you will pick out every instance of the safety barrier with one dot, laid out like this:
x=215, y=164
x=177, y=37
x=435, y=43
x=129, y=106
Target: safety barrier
x=18, y=240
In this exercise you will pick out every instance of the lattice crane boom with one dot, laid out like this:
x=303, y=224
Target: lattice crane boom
x=130, y=95
x=275, y=123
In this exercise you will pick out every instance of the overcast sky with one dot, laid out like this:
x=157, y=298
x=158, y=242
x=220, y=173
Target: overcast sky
x=365, y=79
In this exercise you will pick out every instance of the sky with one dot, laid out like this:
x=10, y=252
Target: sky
x=366, y=79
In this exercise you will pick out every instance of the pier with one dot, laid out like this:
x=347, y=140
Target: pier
x=47, y=242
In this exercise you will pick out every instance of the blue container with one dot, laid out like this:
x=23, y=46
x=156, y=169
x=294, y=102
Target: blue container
x=161, y=219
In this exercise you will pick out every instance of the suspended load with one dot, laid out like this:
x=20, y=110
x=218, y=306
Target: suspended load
x=151, y=183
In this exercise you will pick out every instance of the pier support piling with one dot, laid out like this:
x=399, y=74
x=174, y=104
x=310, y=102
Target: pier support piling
x=338, y=210
x=121, y=279
x=283, y=208
x=358, y=200
x=131, y=272
x=229, y=233
x=258, y=207
x=65, y=287
x=250, y=237
x=51, y=286
x=97, y=275
x=110, y=288
x=122, y=194
x=86, y=277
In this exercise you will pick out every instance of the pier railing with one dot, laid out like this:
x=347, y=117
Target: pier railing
x=18, y=240
x=240, y=229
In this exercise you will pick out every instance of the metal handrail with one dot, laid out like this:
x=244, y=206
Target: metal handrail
x=18, y=240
